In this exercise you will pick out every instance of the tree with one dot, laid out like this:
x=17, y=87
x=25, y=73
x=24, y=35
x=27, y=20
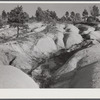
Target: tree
x=67, y=14
x=85, y=15
x=53, y=15
x=17, y=18
x=90, y=19
x=7, y=14
x=63, y=19
x=72, y=16
x=95, y=11
x=78, y=17
x=1, y=23
x=4, y=14
x=39, y=14
x=45, y=15
x=48, y=16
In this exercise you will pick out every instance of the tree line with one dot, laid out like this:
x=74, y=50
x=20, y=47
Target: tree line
x=17, y=17
x=69, y=17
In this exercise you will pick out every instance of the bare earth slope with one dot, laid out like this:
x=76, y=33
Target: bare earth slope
x=82, y=70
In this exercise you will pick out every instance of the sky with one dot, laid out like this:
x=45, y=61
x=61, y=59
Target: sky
x=60, y=9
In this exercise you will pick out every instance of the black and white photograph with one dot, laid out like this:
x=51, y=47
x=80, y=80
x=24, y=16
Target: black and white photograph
x=49, y=45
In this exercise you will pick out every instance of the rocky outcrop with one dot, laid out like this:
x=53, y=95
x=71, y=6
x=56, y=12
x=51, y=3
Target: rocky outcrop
x=60, y=42
x=11, y=77
x=22, y=62
x=45, y=45
x=72, y=36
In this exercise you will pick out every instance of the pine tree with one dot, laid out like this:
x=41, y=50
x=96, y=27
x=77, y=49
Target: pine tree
x=78, y=17
x=85, y=15
x=4, y=14
x=63, y=19
x=95, y=11
x=67, y=14
x=17, y=18
x=72, y=16
x=39, y=14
